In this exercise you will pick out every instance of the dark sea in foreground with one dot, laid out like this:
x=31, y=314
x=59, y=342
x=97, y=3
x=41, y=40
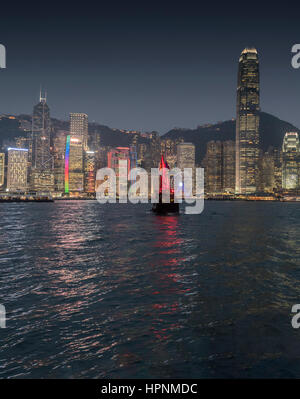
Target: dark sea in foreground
x=114, y=291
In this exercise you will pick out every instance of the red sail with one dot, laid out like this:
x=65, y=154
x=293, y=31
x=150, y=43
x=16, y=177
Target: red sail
x=164, y=179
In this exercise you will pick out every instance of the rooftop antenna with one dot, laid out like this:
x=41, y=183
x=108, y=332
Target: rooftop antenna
x=42, y=99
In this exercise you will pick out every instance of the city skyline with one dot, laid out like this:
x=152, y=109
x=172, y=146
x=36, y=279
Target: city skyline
x=160, y=74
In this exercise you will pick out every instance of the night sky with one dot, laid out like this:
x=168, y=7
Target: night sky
x=147, y=66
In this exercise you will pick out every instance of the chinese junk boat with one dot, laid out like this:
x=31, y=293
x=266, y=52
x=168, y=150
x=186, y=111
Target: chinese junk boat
x=165, y=186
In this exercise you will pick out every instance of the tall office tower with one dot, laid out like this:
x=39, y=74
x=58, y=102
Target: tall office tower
x=213, y=163
x=89, y=171
x=41, y=173
x=59, y=147
x=17, y=169
x=266, y=172
x=290, y=161
x=74, y=176
x=2, y=169
x=186, y=155
x=247, y=122
x=79, y=127
x=228, y=166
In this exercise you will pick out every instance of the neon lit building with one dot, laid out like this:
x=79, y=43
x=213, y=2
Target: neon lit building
x=17, y=165
x=291, y=161
x=73, y=165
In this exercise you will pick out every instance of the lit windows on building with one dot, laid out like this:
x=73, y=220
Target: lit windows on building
x=17, y=165
x=74, y=176
x=290, y=161
x=247, y=123
x=89, y=171
x=79, y=127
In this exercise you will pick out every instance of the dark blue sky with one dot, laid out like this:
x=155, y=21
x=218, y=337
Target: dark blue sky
x=147, y=66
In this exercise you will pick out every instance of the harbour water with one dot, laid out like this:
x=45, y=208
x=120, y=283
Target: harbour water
x=114, y=291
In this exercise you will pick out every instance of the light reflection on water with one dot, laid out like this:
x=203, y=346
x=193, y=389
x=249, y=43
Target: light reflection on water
x=115, y=291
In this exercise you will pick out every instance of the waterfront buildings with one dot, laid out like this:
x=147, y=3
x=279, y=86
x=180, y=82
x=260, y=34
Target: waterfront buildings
x=17, y=165
x=290, y=161
x=247, y=122
x=219, y=165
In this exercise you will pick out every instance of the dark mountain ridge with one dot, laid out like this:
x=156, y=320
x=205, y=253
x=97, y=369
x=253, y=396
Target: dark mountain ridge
x=272, y=130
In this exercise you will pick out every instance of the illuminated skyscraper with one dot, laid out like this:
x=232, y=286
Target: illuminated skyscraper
x=2, y=166
x=247, y=122
x=17, y=169
x=41, y=173
x=291, y=161
x=79, y=127
x=73, y=165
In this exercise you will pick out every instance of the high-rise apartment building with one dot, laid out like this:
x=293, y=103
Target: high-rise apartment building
x=247, y=122
x=17, y=165
x=79, y=127
x=290, y=161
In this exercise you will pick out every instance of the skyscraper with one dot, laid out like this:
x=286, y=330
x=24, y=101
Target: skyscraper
x=17, y=169
x=247, y=122
x=79, y=127
x=73, y=165
x=290, y=161
x=41, y=174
